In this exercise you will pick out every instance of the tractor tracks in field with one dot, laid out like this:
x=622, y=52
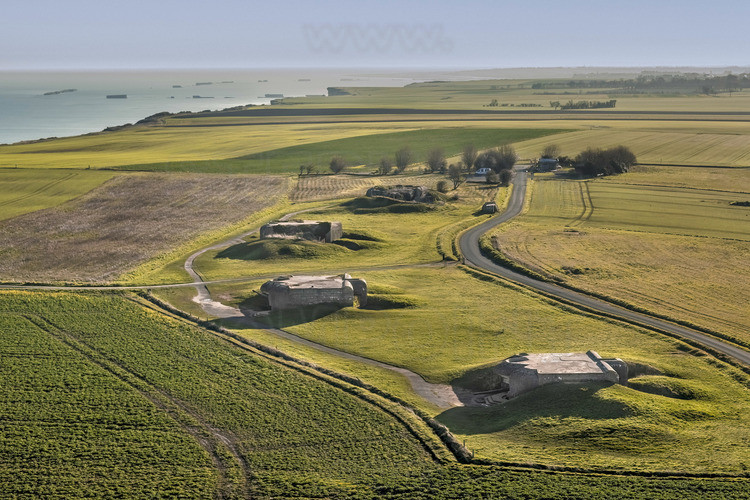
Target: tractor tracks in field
x=207, y=436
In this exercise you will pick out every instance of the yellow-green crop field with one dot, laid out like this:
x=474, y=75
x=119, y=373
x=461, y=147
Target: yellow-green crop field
x=672, y=250
x=711, y=147
x=163, y=144
x=23, y=191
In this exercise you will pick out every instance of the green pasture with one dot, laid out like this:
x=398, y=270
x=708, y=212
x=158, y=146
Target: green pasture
x=375, y=236
x=357, y=151
x=453, y=323
x=28, y=190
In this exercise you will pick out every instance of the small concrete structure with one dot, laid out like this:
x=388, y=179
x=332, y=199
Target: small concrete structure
x=303, y=230
x=418, y=194
x=547, y=165
x=291, y=292
x=524, y=372
x=489, y=208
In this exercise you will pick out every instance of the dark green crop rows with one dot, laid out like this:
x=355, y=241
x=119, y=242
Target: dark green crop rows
x=69, y=428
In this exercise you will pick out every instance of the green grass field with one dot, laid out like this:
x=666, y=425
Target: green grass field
x=379, y=237
x=465, y=323
x=23, y=191
x=358, y=151
x=143, y=408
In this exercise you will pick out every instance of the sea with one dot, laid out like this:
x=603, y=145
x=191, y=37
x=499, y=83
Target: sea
x=43, y=104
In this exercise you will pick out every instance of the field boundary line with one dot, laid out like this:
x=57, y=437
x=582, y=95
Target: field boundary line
x=206, y=436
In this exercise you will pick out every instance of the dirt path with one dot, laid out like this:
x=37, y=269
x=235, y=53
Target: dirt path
x=441, y=395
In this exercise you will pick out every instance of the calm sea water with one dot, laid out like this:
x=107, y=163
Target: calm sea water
x=26, y=113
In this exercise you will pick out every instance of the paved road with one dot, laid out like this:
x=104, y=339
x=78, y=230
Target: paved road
x=469, y=245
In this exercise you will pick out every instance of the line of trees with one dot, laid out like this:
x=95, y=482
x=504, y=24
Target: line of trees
x=594, y=162
x=684, y=82
x=499, y=161
x=583, y=104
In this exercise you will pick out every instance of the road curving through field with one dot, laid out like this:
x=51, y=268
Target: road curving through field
x=469, y=247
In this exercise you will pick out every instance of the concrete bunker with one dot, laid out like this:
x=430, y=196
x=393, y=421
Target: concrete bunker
x=291, y=292
x=489, y=207
x=419, y=194
x=303, y=230
x=524, y=372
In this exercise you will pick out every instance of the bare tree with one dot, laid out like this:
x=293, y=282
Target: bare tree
x=403, y=157
x=469, y=156
x=385, y=166
x=337, y=164
x=455, y=174
x=436, y=160
x=551, y=151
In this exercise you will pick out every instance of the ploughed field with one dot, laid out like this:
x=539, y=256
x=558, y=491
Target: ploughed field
x=125, y=222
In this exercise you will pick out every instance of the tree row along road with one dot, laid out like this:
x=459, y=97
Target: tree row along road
x=469, y=246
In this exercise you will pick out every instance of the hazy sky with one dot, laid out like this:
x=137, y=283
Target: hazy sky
x=63, y=34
